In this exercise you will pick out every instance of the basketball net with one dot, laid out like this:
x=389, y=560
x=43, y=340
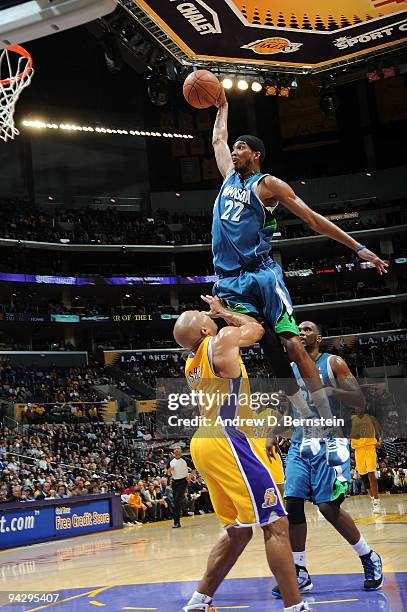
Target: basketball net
x=16, y=72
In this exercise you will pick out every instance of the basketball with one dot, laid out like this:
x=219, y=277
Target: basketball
x=202, y=89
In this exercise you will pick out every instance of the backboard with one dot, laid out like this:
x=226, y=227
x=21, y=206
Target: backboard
x=23, y=20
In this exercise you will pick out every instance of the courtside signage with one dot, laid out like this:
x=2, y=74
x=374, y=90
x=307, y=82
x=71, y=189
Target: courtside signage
x=25, y=526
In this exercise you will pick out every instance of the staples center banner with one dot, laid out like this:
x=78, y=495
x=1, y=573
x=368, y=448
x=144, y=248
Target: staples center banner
x=289, y=33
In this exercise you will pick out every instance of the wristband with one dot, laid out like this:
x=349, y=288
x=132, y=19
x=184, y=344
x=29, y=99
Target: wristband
x=359, y=248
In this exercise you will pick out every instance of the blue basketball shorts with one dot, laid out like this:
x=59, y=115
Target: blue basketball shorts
x=261, y=292
x=314, y=479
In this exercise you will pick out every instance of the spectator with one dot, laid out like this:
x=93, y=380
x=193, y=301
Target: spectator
x=400, y=481
x=136, y=503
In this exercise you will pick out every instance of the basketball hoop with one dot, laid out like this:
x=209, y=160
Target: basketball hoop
x=16, y=72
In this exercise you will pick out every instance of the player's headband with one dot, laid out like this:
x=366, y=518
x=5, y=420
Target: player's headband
x=254, y=143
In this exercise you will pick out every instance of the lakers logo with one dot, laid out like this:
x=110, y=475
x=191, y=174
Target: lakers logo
x=270, y=46
x=270, y=499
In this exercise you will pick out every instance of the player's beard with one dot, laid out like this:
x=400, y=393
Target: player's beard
x=310, y=347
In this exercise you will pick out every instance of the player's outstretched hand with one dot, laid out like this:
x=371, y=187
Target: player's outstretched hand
x=380, y=265
x=217, y=308
x=221, y=98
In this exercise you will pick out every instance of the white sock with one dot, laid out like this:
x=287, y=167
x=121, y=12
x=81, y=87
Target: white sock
x=198, y=598
x=299, y=558
x=361, y=547
x=299, y=402
x=321, y=401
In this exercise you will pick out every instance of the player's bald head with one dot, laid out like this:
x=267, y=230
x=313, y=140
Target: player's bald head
x=191, y=327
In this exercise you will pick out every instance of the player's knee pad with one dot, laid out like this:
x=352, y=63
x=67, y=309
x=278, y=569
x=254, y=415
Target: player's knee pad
x=366, y=481
x=295, y=510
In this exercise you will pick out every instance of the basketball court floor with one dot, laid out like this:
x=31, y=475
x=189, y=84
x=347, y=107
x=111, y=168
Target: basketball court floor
x=154, y=567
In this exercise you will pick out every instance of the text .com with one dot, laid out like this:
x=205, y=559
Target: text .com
x=20, y=523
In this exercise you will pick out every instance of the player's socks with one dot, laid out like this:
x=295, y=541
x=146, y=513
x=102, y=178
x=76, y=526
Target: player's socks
x=372, y=566
x=303, y=580
x=198, y=603
x=299, y=558
x=362, y=548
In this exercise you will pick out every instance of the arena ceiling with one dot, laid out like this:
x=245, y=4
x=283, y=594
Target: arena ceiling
x=288, y=35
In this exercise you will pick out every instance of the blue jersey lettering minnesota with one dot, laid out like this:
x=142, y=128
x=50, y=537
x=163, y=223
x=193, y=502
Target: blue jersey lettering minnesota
x=242, y=227
x=328, y=380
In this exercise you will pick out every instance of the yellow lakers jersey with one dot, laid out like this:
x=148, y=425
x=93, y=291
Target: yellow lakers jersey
x=363, y=431
x=219, y=397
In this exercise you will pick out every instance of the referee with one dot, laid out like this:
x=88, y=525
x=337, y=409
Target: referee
x=177, y=468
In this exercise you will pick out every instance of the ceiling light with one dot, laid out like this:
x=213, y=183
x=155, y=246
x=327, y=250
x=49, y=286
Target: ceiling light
x=243, y=85
x=227, y=83
x=71, y=127
x=256, y=86
x=271, y=90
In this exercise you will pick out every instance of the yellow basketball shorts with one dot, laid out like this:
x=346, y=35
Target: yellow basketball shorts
x=239, y=477
x=365, y=457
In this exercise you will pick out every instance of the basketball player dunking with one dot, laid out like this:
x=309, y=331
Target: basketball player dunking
x=250, y=281
x=234, y=465
x=314, y=480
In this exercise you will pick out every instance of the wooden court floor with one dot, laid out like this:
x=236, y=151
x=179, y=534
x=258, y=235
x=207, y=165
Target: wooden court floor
x=154, y=567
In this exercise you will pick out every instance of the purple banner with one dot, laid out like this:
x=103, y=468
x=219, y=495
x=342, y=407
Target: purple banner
x=160, y=280
x=49, y=280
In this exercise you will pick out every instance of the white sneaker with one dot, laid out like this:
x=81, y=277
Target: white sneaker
x=201, y=511
x=376, y=507
x=199, y=607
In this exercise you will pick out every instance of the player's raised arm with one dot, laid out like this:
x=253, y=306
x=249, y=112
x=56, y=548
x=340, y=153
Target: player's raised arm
x=348, y=391
x=273, y=187
x=242, y=330
x=220, y=139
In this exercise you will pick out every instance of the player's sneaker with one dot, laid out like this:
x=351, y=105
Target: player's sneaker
x=337, y=451
x=303, y=606
x=303, y=581
x=376, y=509
x=198, y=607
x=309, y=447
x=372, y=566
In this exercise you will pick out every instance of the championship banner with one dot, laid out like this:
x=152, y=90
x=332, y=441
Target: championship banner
x=146, y=406
x=292, y=34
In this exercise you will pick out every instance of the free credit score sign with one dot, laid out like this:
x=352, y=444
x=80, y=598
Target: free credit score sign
x=26, y=526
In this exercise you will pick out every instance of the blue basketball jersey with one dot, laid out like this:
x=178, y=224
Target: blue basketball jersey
x=327, y=379
x=242, y=227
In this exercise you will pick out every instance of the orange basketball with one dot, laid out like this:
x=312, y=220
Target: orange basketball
x=202, y=89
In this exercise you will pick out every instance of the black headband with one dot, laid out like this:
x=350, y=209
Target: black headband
x=254, y=143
